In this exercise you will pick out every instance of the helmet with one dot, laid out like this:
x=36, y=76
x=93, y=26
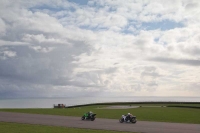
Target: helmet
x=128, y=113
x=90, y=112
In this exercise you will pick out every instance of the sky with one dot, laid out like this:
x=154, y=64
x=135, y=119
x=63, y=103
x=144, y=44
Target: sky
x=60, y=48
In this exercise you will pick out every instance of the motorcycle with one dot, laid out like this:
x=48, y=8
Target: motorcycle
x=86, y=117
x=132, y=119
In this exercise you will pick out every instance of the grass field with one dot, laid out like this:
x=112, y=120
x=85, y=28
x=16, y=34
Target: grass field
x=6, y=127
x=161, y=114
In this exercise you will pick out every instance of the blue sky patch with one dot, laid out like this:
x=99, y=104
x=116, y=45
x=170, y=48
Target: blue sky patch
x=80, y=2
x=46, y=7
x=164, y=25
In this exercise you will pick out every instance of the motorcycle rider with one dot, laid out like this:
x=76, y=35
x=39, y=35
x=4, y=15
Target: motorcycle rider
x=89, y=114
x=128, y=116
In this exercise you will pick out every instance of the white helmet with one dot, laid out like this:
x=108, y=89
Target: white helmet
x=128, y=113
x=90, y=112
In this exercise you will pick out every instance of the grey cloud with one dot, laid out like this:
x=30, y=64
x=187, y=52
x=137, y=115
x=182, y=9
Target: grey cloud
x=2, y=27
x=150, y=68
x=192, y=86
x=141, y=42
x=116, y=63
x=20, y=91
x=27, y=90
x=151, y=84
x=93, y=78
x=193, y=50
x=110, y=70
x=176, y=61
x=46, y=61
x=148, y=86
x=30, y=69
x=191, y=6
x=150, y=71
x=152, y=74
x=30, y=66
x=149, y=77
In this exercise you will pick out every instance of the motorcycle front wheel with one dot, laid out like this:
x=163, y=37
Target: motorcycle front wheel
x=83, y=118
x=121, y=120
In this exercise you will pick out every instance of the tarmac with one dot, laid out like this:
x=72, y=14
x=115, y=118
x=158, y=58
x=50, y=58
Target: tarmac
x=99, y=123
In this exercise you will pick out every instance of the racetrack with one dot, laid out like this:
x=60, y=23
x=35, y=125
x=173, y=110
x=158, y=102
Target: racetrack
x=105, y=124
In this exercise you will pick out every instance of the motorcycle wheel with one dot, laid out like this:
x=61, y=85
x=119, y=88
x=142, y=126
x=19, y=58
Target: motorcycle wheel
x=92, y=119
x=121, y=120
x=134, y=120
x=83, y=118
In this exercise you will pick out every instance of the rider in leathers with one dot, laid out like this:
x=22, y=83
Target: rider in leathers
x=128, y=116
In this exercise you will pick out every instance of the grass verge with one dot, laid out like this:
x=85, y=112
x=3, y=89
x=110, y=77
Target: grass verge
x=160, y=114
x=6, y=127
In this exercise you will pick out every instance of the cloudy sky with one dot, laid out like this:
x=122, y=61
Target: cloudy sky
x=58, y=48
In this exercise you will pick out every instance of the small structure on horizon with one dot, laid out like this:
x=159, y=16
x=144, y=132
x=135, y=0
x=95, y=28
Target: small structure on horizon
x=59, y=106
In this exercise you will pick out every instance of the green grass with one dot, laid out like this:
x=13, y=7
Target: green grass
x=161, y=114
x=6, y=127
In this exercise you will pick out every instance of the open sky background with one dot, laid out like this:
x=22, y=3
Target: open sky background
x=60, y=48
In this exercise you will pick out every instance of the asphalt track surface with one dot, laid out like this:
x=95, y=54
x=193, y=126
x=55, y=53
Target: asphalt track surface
x=104, y=124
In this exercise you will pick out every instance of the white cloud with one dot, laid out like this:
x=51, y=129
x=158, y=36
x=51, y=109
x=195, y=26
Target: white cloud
x=7, y=54
x=103, y=45
x=12, y=43
x=41, y=49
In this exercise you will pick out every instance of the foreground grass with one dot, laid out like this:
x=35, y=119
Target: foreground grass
x=6, y=127
x=161, y=114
